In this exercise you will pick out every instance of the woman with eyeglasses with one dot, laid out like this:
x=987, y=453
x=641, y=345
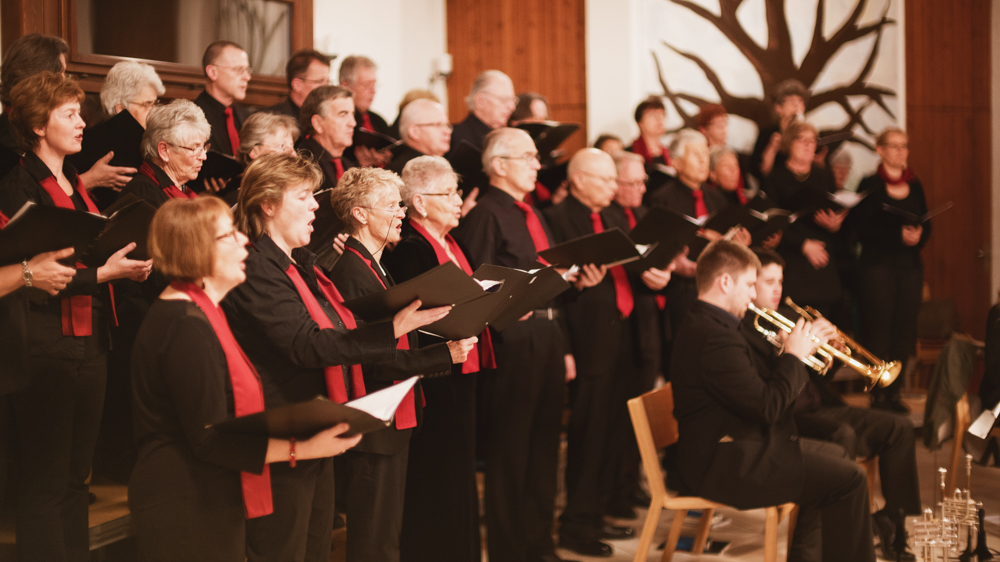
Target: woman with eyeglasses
x=436, y=526
x=57, y=413
x=367, y=200
x=263, y=133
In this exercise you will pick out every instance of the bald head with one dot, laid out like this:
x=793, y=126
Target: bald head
x=592, y=177
x=511, y=161
x=424, y=126
x=492, y=98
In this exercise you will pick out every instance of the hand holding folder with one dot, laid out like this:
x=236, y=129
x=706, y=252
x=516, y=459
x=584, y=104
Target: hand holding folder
x=37, y=229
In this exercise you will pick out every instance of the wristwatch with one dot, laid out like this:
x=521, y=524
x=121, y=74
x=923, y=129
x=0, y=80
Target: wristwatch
x=26, y=273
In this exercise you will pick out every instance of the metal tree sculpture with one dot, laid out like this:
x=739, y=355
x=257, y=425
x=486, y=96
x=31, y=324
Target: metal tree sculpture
x=775, y=63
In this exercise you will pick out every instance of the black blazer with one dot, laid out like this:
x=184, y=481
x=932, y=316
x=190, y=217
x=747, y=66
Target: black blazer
x=286, y=107
x=151, y=191
x=325, y=161
x=215, y=114
x=406, y=153
x=738, y=442
x=274, y=327
x=354, y=279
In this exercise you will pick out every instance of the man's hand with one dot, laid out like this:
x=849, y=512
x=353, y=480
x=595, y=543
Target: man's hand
x=470, y=201
x=799, y=342
x=742, y=236
x=590, y=275
x=912, y=234
x=682, y=266
x=772, y=241
x=656, y=279
x=370, y=157
x=103, y=174
x=460, y=349
x=815, y=252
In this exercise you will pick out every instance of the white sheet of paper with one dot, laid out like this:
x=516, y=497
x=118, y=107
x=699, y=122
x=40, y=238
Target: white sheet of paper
x=383, y=404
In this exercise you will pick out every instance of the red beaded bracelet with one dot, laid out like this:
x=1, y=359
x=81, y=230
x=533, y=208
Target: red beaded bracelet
x=291, y=452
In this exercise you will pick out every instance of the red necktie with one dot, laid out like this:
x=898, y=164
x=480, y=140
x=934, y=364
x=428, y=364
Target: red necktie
x=629, y=216
x=623, y=290
x=741, y=191
x=700, y=209
x=339, y=165
x=248, y=395
x=234, y=135
x=366, y=122
x=538, y=237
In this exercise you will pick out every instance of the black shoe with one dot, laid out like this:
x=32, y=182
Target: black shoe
x=616, y=533
x=887, y=529
x=620, y=510
x=585, y=546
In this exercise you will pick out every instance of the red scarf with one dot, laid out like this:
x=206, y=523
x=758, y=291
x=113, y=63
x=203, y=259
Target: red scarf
x=78, y=310
x=639, y=147
x=906, y=177
x=248, y=395
x=3, y=220
x=172, y=191
x=474, y=361
x=661, y=301
x=406, y=414
x=334, y=374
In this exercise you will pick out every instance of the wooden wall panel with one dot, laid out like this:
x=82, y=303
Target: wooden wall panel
x=538, y=43
x=948, y=118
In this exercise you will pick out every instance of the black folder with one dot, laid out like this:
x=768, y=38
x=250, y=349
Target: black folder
x=326, y=226
x=521, y=292
x=548, y=135
x=216, y=165
x=611, y=247
x=121, y=134
x=668, y=230
x=373, y=140
x=913, y=219
x=553, y=175
x=809, y=199
x=771, y=222
x=445, y=285
x=305, y=419
x=746, y=216
x=128, y=221
x=37, y=229
x=466, y=159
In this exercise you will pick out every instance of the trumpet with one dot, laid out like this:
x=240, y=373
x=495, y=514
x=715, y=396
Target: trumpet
x=880, y=373
x=810, y=314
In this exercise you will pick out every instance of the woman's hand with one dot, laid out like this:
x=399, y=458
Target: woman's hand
x=589, y=276
x=772, y=241
x=829, y=220
x=657, y=279
x=48, y=274
x=120, y=267
x=326, y=443
x=742, y=236
x=470, y=201
x=682, y=265
x=103, y=174
x=460, y=349
x=570, y=362
x=339, y=243
x=410, y=318
x=815, y=252
x=912, y=234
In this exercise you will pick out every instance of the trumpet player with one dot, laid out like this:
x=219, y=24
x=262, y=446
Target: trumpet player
x=738, y=441
x=820, y=413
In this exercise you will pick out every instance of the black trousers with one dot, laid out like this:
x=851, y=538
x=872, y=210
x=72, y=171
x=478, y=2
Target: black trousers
x=441, y=511
x=525, y=399
x=598, y=437
x=300, y=528
x=867, y=433
x=375, y=490
x=889, y=298
x=833, y=522
x=56, y=420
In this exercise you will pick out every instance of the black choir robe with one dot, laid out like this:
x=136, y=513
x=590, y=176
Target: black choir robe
x=325, y=161
x=405, y=154
x=285, y=107
x=215, y=114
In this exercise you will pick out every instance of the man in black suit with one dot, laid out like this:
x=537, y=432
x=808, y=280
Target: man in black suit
x=327, y=125
x=359, y=74
x=738, y=441
x=227, y=68
x=491, y=101
x=305, y=71
x=820, y=413
x=602, y=342
x=425, y=130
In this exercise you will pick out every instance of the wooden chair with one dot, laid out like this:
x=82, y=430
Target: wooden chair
x=656, y=428
x=961, y=422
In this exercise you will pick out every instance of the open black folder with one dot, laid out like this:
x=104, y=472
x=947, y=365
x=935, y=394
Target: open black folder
x=667, y=231
x=444, y=285
x=216, y=165
x=373, y=140
x=913, y=219
x=364, y=415
x=548, y=135
x=128, y=221
x=326, y=226
x=611, y=247
x=521, y=292
x=36, y=229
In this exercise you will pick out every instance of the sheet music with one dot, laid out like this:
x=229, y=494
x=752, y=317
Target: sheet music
x=489, y=285
x=383, y=404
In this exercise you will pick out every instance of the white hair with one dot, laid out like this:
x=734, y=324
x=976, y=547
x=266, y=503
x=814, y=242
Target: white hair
x=174, y=123
x=622, y=157
x=412, y=114
x=683, y=138
x=420, y=175
x=498, y=143
x=483, y=80
x=718, y=153
x=126, y=81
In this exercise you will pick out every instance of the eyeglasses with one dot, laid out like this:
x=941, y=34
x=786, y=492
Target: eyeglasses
x=239, y=70
x=365, y=85
x=895, y=146
x=194, y=150
x=506, y=100
x=636, y=184
x=395, y=209
x=146, y=104
x=317, y=82
x=231, y=234
x=605, y=179
x=457, y=192
x=526, y=158
x=441, y=125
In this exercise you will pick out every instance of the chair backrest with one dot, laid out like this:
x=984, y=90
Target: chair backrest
x=655, y=428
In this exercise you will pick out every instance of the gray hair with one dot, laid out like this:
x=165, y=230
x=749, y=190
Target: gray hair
x=350, y=65
x=259, y=126
x=125, y=82
x=718, y=153
x=412, y=113
x=485, y=79
x=623, y=157
x=499, y=143
x=174, y=124
x=842, y=158
x=683, y=138
x=420, y=174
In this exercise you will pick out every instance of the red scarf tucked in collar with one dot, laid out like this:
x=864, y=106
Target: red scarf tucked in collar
x=406, y=414
x=3, y=220
x=248, y=395
x=475, y=360
x=639, y=147
x=172, y=191
x=77, y=311
x=906, y=177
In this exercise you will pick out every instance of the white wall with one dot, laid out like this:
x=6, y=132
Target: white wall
x=403, y=37
x=614, y=73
